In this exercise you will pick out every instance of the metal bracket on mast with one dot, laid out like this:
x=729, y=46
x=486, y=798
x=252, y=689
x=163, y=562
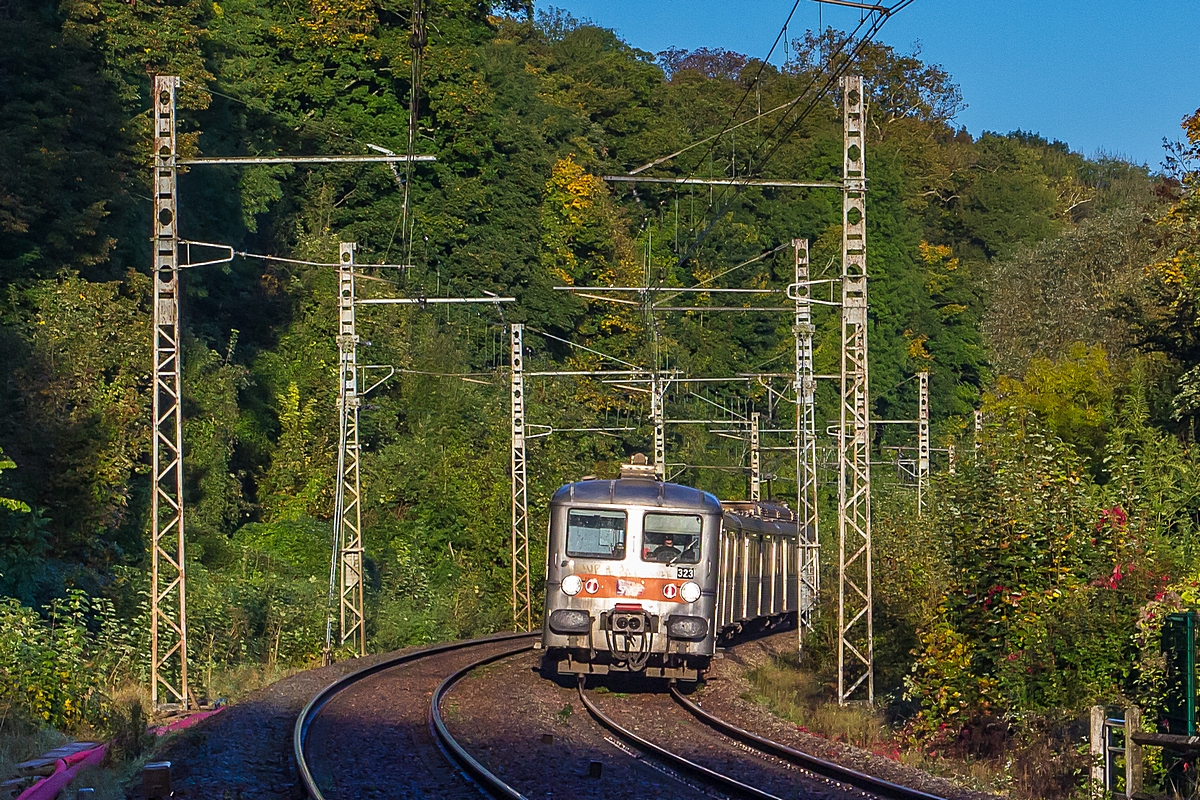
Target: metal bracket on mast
x=347, y=508
x=522, y=607
x=805, y=386
x=855, y=613
x=168, y=586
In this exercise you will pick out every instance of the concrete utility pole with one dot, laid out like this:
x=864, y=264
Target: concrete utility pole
x=168, y=584
x=347, y=508
x=522, y=606
x=809, y=549
x=855, y=614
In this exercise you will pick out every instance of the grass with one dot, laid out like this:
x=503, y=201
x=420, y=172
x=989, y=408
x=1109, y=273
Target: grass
x=237, y=682
x=799, y=697
x=20, y=741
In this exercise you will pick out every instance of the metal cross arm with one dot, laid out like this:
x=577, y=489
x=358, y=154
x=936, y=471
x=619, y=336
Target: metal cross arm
x=588, y=373
x=234, y=161
x=187, y=254
x=722, y=308
x=672, y=289
x=793, y=291
x=421, y=301
x=887, y=11
x=763, y=182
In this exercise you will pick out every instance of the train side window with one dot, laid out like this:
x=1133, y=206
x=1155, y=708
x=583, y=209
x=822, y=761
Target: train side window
x=671, y=538
x=596, y=534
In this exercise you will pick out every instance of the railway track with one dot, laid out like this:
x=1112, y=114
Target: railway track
x=735, y=787
x=333, y=762
x=806, y=761
x=716, y=780
x=444, y=666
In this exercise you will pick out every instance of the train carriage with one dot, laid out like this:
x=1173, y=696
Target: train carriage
x=644, y=575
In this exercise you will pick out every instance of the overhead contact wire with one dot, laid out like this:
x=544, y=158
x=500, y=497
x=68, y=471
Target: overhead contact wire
x=837, y=73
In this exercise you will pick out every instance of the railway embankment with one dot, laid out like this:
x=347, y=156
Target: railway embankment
x=531, y=732
x=725, y=694
x=246, y=751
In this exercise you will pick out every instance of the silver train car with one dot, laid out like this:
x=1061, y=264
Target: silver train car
x=645, y=576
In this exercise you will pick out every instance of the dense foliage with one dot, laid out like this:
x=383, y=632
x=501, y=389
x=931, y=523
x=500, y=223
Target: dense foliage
x=1055, y=290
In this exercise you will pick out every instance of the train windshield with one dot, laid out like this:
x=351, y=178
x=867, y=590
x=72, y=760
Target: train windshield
x=671, y=538
x=596, y=534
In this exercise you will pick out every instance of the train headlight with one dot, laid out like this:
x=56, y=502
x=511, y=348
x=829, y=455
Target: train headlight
x=681, y=627
x=690, y=592
x=572, y=585
x=570, y=621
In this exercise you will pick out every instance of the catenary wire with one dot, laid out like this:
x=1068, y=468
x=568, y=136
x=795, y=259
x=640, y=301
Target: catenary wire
x=837, y=73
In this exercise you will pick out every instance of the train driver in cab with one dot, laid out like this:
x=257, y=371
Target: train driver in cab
x=665, y=543
x=665, y=552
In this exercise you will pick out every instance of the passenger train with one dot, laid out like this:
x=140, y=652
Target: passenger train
x=645, y=576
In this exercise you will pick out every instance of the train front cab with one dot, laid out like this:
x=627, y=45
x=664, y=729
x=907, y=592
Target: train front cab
x=631, y=578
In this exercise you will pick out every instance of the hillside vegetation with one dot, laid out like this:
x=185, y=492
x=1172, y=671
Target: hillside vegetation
x=1054, y=290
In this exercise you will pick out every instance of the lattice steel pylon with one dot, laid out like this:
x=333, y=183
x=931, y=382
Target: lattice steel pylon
x=522, y=605
x=658, y=388
x=808, y=566
x=922, y=440
x=755, y=460
x=856, y=647
x=168, y=569
x=347, y=508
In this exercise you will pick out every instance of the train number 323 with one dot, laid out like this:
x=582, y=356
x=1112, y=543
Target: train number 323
x=685, y=572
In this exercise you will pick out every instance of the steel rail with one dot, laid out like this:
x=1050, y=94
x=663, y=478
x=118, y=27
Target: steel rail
x=319, y=700
x=820, y=766
x=437, y=726
x=724, y=783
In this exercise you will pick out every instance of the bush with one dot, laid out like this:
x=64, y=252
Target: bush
x=59, y=670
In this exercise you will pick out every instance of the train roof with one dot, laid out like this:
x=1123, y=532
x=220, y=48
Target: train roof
x=740, y=519
x=638, y=492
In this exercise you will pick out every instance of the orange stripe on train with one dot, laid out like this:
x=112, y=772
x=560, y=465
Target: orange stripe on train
x=613, y=586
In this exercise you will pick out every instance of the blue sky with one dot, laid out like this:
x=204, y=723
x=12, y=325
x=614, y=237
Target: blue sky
x=1100, y=75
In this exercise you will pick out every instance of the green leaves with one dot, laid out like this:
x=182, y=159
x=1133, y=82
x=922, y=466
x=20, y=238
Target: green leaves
x=57, y=671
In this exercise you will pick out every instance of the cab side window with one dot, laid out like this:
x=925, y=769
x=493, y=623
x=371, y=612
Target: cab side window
x=671, y=538
x=596, y=534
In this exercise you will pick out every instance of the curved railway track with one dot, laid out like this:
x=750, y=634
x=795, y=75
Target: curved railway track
x=734, y=787
x=345, y=693
x=716, y=780
x=806, y=761
x=485, y=777
x=445, y=665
